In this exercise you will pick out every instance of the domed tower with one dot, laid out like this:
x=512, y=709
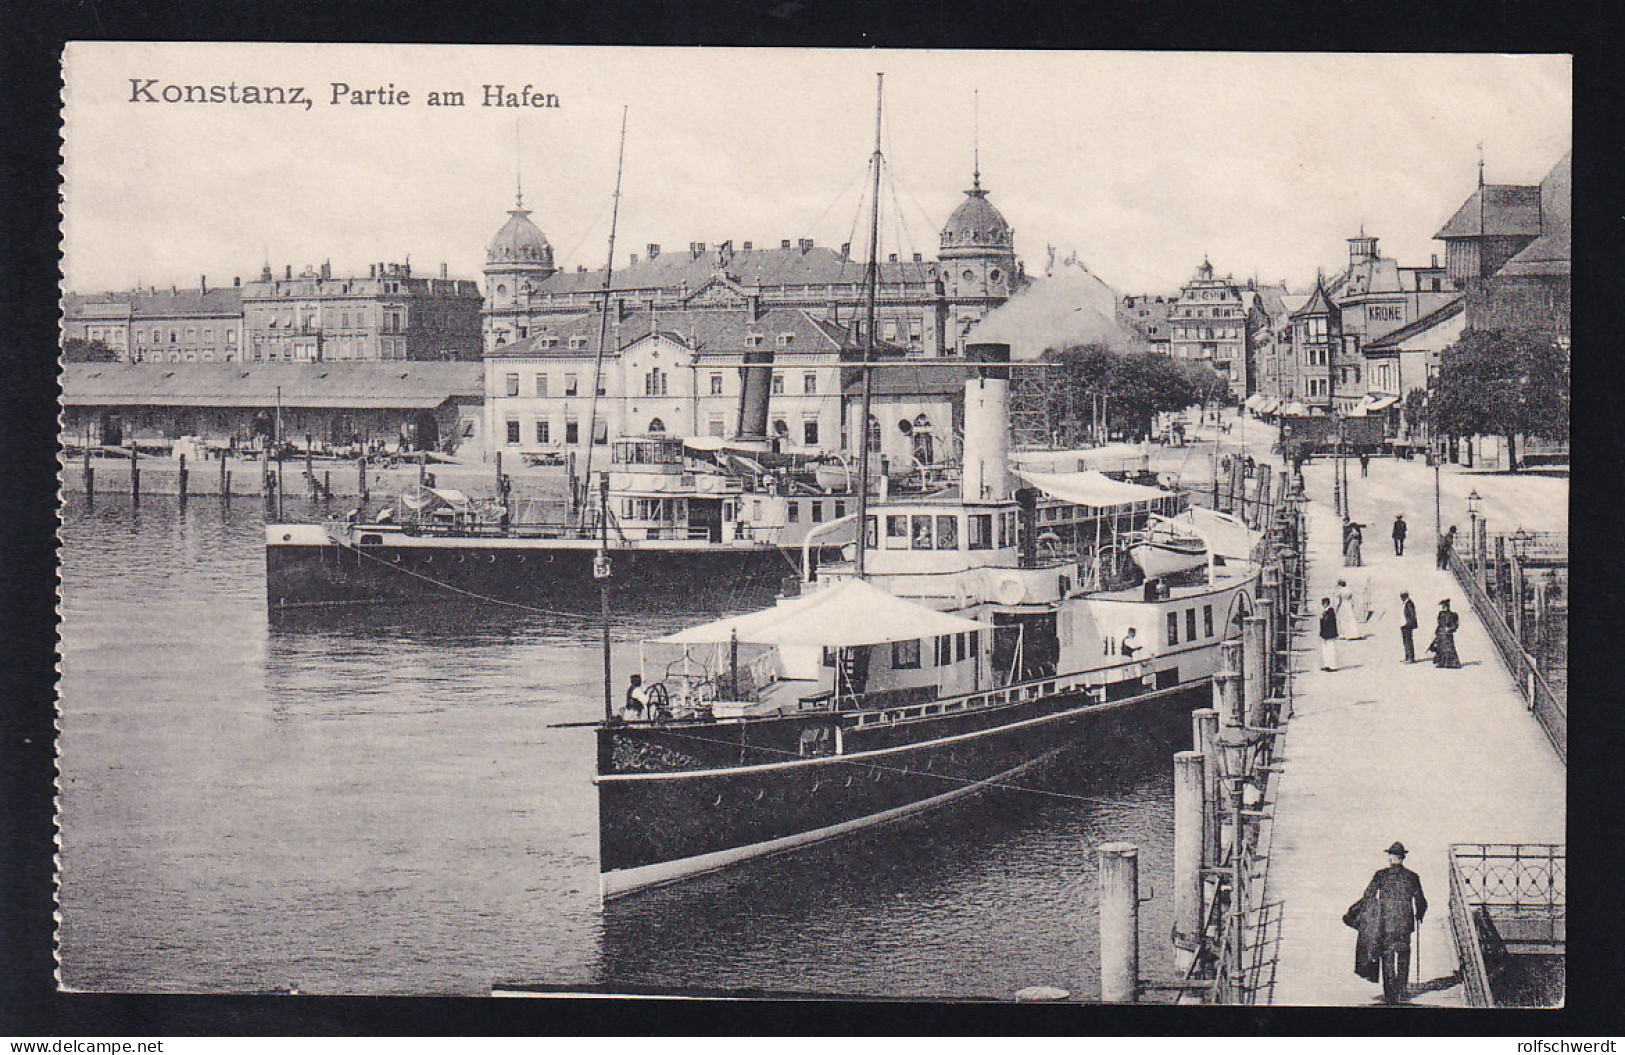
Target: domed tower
x=977, y=259
x=517, y=262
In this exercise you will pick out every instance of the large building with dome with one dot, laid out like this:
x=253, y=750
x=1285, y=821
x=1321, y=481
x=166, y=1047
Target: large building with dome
x=926, y=306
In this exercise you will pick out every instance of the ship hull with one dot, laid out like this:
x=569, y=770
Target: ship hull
x=659, y=827
x=313, y=568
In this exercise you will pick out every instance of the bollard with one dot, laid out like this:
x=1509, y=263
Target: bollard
x=1252, y=669
x=183, y=480
x=1119, y=922
x=1189, y=840
x=1266, y=644
x=1227, y=683
x=1206, y=723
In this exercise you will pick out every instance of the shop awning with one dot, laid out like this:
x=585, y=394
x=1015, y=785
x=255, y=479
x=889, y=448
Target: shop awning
x=1294, y=408
x=1096, y=490
x=1381, y=402
x=846, y=615
x=1270, y=405
x=1254, y=401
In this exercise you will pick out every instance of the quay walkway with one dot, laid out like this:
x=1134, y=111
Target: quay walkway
x=1380, y=750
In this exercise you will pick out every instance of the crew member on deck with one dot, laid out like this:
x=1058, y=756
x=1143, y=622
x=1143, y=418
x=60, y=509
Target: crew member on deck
x=637, y=698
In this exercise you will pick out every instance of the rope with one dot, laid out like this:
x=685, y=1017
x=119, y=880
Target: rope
x=1089, y=800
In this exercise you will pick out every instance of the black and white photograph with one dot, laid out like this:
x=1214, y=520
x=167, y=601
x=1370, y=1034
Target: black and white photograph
x=1030, y=527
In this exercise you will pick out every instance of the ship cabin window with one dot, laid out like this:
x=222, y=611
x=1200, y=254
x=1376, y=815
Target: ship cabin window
x=817, y=509
x=1190, y=624
x=979, y=533
x=947, y=532
x=840, y=509
x=792, y=511
x=959, y=648
x=871, y=537
x=974, y=643
x=945, y=650
x=1207, y=620
x=1173, y=628
x=372, y=540
x=896, y=532
x=923, y=535
x=905, y=655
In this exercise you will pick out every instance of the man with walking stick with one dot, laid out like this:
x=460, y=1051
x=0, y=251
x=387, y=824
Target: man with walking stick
x=1386, y=916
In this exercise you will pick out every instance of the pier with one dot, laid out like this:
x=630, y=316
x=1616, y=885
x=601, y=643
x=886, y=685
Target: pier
x=1380, y=750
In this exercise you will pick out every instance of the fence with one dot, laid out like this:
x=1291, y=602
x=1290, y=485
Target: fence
x=1549, y=707
x=1505, y=898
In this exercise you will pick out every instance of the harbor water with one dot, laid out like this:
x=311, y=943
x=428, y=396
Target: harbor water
x=378, y=802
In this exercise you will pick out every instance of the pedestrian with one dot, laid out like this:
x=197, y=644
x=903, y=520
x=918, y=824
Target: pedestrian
x=1444, y=638
x=1348, y=618
x=1386, y=916
x=1365, y=463
x=1353, y=539
x=1328, y=635
x=637, y=698
x=1400, y=531
x=1446, y=544
x=1407, y=628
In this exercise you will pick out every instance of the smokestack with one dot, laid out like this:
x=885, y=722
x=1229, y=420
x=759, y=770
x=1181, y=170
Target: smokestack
x=755, y=389
x=987, y=423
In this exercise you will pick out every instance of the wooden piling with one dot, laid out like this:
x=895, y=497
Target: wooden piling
x=1266, y=645
x=225, y=484
x=1252, y=668
x=135, y=475
x=90, y=479
x=361, y=471
x=1227, y=684
x=1119, y=922
x=182, y=475
x=1205, y=721
x=1189, y=840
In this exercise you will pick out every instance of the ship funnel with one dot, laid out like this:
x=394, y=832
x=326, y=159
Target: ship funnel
x=987, y=424
x=755, y=386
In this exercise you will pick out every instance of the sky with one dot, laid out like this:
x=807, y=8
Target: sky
x=1142, y=163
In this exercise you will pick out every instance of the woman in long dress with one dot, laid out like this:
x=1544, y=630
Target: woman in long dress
x=1352, y=539
x=1444, y=638
x=1348, y=621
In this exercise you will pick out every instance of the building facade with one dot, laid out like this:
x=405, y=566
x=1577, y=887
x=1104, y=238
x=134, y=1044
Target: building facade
x=390, y=314
x=1208, y=323
x=924, y=306
x=167, y=326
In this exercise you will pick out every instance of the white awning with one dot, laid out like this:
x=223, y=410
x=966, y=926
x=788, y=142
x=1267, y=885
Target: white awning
x=1294, y=408
x=1381, y=402
x=848, y=614
x=1270, y=405
x=1096, y=490
x=1225, y=535
x=1253, y=401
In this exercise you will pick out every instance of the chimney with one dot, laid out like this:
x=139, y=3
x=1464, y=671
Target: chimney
x=633, y=260
x=654, y=250
x=287, y=272
x=784, y=243
x=891, y=258
x=620, y=309
x=372, y=270
x=203, y=284
x=846, y=250
x=917, y=258
x=444, y=273
x=804, y=244
x=754, y=300
x=327, y=269
x=1435, y=260
x=747, y=247
x=237, y=281
x=173, y=290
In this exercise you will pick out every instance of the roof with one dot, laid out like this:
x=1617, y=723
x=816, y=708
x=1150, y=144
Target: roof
x=815, y=265
x=223, y=300
x=1508, y=210
x=975, y=223
x=1093, y=489
x=1421, y=325
x=904, y=381
x=383, y=385
x=847, y=614
x=1317, y=304
x=519, y=241
x=698, y=329
x=1548, y=255
x=1070, y=306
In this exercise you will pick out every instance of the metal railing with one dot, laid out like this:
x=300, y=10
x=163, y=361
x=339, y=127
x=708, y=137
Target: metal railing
x=1504, y=897
x=1548, y=706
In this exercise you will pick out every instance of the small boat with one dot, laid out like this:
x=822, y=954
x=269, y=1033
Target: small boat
x=1167, y=548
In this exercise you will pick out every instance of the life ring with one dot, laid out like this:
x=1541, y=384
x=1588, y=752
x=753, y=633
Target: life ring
x=1010, y=590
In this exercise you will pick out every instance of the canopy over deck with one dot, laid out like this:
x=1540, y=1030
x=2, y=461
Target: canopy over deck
x=846, y=615
x=1093, y=489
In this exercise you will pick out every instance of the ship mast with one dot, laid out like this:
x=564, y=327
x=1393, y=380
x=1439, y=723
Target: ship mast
x=603, y=331
x=871, y=280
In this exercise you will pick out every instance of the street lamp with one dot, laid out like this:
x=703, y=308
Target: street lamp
x=1473, y=502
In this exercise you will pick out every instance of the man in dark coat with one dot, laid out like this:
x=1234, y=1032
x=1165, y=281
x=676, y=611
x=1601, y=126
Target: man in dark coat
x=1400, y=530
x=1407, y=627
x=1386, y=915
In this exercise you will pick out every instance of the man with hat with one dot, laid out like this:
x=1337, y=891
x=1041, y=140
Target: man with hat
x=1386, y=915
x=1400, y=531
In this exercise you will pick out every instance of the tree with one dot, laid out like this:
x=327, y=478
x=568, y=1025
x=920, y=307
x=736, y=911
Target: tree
x=1136, y=385
x=1502, y=383
x=79, y=350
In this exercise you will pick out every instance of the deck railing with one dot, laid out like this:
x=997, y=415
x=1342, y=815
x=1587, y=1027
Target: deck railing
x=1549, y=707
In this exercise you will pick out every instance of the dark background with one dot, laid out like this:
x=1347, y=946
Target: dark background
x=30, y=88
